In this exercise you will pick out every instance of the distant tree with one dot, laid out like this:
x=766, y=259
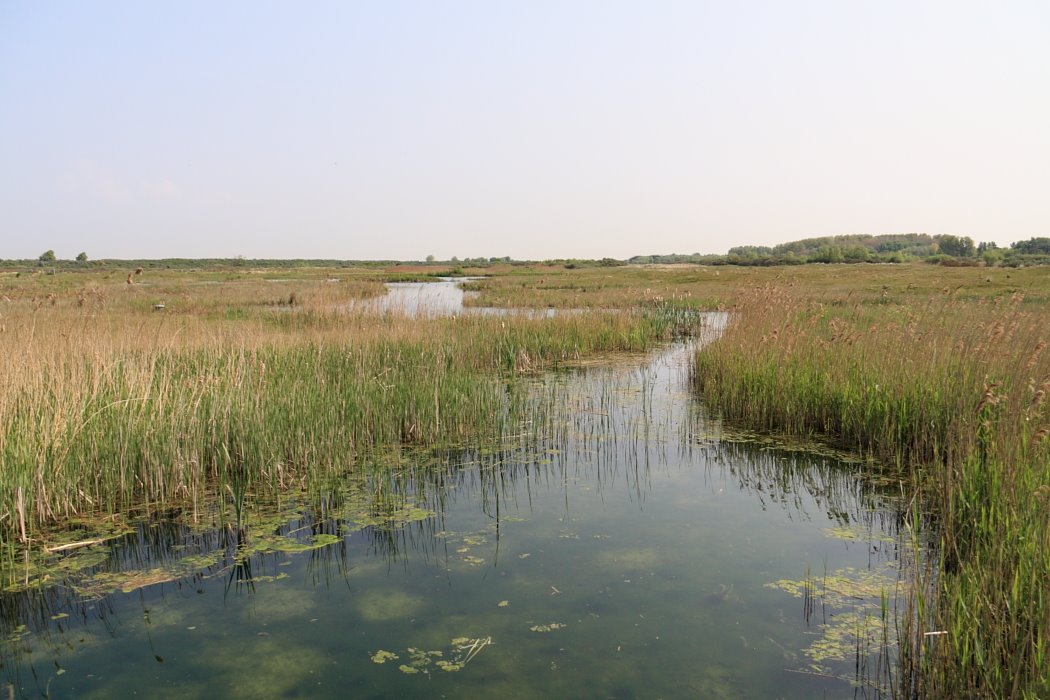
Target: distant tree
x=855, y=253
x=81, y=257
x=751, y=251
x=828, y=254
x=454, y=259
x=992, y=256
x=47, y=256
x=958, y=247
x=1033, y=246
x=430, y=258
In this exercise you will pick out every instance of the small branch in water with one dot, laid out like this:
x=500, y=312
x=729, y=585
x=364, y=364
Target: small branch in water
x=76, y=545
x=813, y=673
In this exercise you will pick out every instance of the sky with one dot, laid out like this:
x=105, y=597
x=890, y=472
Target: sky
x=536, y=129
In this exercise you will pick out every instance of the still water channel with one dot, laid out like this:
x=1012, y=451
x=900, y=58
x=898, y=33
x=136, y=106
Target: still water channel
x=622, y=546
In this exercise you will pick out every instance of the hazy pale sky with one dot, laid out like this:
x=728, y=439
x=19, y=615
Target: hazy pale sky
x=535, y=129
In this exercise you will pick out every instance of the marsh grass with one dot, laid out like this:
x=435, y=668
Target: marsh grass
x=245, y=385
x=108, y=405
x=712, y=287
x=949, y=394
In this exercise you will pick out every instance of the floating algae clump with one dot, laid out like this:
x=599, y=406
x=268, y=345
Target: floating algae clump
x=381, y=657
x=856, y=616
x=461, y=651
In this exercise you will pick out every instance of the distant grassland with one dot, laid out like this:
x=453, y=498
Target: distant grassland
x=711, y=287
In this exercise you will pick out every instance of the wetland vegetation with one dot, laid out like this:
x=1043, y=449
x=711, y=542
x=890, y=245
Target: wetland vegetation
x=176, y=430
x=122, y=395
x=948, y=390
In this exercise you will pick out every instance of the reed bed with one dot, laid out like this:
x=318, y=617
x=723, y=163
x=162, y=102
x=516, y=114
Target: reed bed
x=107, y=405
x=950, y=393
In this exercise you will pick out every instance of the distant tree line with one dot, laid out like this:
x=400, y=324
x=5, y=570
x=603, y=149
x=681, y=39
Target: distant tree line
x=81, y=260
x=894, y=248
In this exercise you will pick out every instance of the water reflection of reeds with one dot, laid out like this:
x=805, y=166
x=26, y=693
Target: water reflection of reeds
x=612, y=428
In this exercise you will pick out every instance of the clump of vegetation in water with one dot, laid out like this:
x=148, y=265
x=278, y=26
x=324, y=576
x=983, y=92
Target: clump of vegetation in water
x=949, y=392
x=86, y=558
x=850, y=609
x=459, y=653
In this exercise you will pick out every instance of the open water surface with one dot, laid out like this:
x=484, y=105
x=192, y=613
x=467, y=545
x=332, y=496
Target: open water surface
x=618, y=546
x=442, y=297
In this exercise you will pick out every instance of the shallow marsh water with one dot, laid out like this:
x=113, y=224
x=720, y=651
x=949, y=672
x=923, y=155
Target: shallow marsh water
x=442, y=297
x=617, y=546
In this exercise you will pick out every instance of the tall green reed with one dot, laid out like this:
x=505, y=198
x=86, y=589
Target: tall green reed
x=114, y=417
x=951, y=394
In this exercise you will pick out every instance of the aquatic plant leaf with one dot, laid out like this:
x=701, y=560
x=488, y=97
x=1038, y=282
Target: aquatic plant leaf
x=382, y=656
x=857, y=534
x=463, y=650
x=197, y=562
x=83, y=560
x=124, y=581
x=267, y=578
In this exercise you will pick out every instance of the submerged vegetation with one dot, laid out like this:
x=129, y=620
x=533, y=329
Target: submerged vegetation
x=950, y=393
